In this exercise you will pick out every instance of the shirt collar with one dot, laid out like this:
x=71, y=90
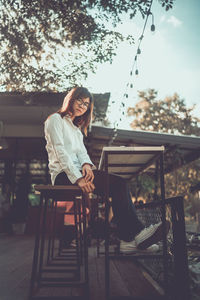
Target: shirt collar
x=67, y=117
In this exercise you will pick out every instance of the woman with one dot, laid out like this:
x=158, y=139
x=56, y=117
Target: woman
x=69, y=163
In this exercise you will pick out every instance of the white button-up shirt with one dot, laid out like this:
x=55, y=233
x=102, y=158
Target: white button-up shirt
x=65, y=147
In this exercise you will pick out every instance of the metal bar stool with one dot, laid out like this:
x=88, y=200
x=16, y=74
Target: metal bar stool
x=70, y=263
x=77, y=216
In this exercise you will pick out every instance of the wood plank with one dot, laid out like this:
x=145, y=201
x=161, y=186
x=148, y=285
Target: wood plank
x=118, y=286
x=16, y=262
x=95, y=279
x=136, y=283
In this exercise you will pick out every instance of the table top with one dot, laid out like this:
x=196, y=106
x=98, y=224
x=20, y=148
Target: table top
x=129, y=161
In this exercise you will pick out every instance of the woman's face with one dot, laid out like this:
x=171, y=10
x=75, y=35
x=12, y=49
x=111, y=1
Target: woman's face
x=80, y=106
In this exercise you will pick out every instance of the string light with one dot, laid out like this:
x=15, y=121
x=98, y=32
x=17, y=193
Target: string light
x=134, y=67
x=152, y=25
x=138, y=51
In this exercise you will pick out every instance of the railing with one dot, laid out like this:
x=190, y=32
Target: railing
x=175, y=277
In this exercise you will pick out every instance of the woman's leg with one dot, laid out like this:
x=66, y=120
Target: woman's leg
x=123, y=209
x=124, y=212
x=125, y=216
x=62, y=179
x=68, y=230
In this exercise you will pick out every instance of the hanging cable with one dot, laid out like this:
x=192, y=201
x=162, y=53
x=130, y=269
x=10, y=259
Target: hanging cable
x=134, y=70
x=138, y=51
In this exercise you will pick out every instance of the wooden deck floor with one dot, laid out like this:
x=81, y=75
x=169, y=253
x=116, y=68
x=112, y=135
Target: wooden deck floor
x=16, y=252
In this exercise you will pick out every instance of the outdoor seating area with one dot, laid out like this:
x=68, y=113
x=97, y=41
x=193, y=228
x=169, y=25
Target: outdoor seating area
x=131, y=276
x=162, y=274
x=99, y=150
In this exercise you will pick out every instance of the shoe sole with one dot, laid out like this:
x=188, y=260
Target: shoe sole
x=140, y=251
x=155, y=237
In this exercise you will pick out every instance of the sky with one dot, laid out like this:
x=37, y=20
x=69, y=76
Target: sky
x=169, y=61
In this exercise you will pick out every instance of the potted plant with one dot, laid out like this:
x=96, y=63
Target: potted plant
x=21, y=204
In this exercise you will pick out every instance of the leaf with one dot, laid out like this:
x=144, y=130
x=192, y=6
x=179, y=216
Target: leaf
x=39, y=32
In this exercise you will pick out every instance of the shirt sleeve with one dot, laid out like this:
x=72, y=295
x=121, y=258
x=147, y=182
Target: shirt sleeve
x=82, y=154
x=54, y=130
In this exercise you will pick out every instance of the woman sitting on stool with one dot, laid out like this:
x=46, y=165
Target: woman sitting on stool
x=69, y=163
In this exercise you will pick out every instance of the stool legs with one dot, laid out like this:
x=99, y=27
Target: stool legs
x=80, y=229
x=42, y=240
x=65, y=259
x=77, y=237
x=51, y=230
x=85, y=245
x=36, y=249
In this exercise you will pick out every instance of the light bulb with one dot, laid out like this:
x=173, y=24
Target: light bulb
x=153, y=28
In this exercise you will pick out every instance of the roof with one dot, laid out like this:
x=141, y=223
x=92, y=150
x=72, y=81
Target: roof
x=129, y=161
x=182, y=148
x=33, y=108
x=23, y=117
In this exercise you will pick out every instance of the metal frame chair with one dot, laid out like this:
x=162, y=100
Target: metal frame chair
x=73, y=262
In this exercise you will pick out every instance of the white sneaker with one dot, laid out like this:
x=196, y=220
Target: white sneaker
x=131, y=247
x=151, y=235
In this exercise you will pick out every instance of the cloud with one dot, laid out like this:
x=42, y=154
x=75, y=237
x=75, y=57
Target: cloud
x=162, y=18
x=174, y=21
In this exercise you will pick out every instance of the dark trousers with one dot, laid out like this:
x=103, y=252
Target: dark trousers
x=125, y=217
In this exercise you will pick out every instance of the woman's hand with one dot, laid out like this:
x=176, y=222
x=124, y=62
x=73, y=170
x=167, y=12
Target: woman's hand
x=87, y=173
x=86, y=187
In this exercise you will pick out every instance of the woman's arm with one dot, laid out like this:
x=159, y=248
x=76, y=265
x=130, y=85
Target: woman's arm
x=85, y=162
x=86, y=187
x=82, y=154
x=87, y=172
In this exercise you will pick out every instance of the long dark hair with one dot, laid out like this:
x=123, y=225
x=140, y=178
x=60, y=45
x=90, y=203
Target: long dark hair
x=67, y=107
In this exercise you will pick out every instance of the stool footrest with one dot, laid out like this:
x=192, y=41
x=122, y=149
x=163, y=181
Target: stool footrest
x=66, y=284
x=63, y=265
x=59, y=270
x=56, y=298
x=57, y=279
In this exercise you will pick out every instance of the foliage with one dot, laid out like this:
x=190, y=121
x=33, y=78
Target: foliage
x=48, y=45
x=143, y=184
x=170, y=115
x=180, y=181
x=100, y=108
